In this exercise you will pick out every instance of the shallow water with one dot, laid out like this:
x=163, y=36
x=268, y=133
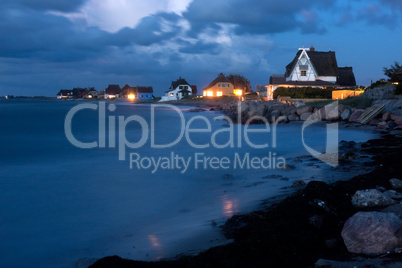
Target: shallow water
x=60, y=203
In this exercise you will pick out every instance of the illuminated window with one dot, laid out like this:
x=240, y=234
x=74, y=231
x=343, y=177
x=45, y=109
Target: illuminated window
x=171, y=94
x=238, y=92
x=303, y=73
x=210, y=93
x=204, y=93
x=219, y=93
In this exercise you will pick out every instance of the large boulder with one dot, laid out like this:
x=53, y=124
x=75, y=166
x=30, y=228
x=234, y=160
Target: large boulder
x=355, y=115
x=371, y=198
x=293, y=117
x=345, y=114
x=304, y=109
x=395, y=183
x=305, y=116
x=372, y=233
x=386, y=116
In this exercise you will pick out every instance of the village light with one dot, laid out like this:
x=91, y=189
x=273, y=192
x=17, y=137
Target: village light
x=238, y=92
x=131, y=97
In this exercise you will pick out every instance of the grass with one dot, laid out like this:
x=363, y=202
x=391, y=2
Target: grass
x=356, y=102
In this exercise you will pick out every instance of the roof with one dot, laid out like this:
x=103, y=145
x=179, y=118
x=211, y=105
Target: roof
x=127, y=89
x=346, y=77
x=178, y=82
x=281, y=80
x=220, y=79
x=113, y=89
x=65, y=92
x=324, y=63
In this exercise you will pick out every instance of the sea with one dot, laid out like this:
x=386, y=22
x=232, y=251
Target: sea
x=81, y=180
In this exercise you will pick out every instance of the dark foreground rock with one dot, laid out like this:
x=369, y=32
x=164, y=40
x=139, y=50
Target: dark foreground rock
x=300, y=230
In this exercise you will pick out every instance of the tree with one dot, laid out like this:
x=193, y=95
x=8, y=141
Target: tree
x=240, y=81
x=260, y=88
x=392, y=72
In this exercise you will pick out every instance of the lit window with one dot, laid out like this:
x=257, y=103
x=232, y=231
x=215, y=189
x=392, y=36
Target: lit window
x=210, y=93
x=303, y=73
x=219, y=93
x=171, y=94
x=238, y=92
x=204, y=93
x=131, y=96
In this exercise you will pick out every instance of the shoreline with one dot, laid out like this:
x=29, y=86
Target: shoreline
x=282, y=234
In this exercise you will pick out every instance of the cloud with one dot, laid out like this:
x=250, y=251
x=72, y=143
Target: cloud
x=253, y=16
x=44, y=5
x=114, y=15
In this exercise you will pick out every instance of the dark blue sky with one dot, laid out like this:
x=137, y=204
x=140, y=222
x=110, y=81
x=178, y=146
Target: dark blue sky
x=46, y=45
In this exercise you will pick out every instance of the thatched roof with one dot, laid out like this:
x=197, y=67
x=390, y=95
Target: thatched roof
x=113, y=89
x=178, y=82
x=324, y=63
x=220, y=79
x=346, y=77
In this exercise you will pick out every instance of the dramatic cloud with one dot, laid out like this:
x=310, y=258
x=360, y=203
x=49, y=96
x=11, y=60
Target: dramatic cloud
x=47, y=45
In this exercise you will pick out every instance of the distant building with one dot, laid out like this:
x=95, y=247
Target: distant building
x=223, y=86
x=91, y=94
x=178, y=90
x=311, y=68
x=141, y=93
x=112, y=92
x=65, y=94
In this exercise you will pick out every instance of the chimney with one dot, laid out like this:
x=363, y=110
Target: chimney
x=312, y=49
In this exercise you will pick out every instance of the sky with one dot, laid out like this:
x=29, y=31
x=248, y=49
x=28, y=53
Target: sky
x=48, y=45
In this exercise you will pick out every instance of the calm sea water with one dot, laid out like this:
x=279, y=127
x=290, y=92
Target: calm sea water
x=61, y=205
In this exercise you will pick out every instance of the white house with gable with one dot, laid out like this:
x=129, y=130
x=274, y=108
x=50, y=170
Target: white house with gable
x=178, y=90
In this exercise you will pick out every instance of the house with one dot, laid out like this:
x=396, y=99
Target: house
x=178, y=90
x=91, y=94
x=112, y=92
x=141, y=93
x=65, y=94
x=311, y=68
x=224, y=86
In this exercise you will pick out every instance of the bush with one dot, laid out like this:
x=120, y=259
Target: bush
x=304, y=92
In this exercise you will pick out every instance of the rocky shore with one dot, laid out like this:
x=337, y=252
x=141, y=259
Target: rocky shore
x=354, y=223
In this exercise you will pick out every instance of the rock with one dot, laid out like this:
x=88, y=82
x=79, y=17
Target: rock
x=293, y=117
x=345, y=114
x=298, y=183
x=342, y=108
x=332, y=114
x=355, y=115
x=304, y=109
x=386, y=116
x=396, y=209
x=371, y=198
x=359, y=263
x=290, y=110
x=305, y=116
x=397, y=119
x=322, y=113
x=395, y=183
x=374, y=122
x=372, y=233
x=392, y=124
x=274, y=115
x=282, y=119
x=393, y=194
x=383, y=125
x=298, y=104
